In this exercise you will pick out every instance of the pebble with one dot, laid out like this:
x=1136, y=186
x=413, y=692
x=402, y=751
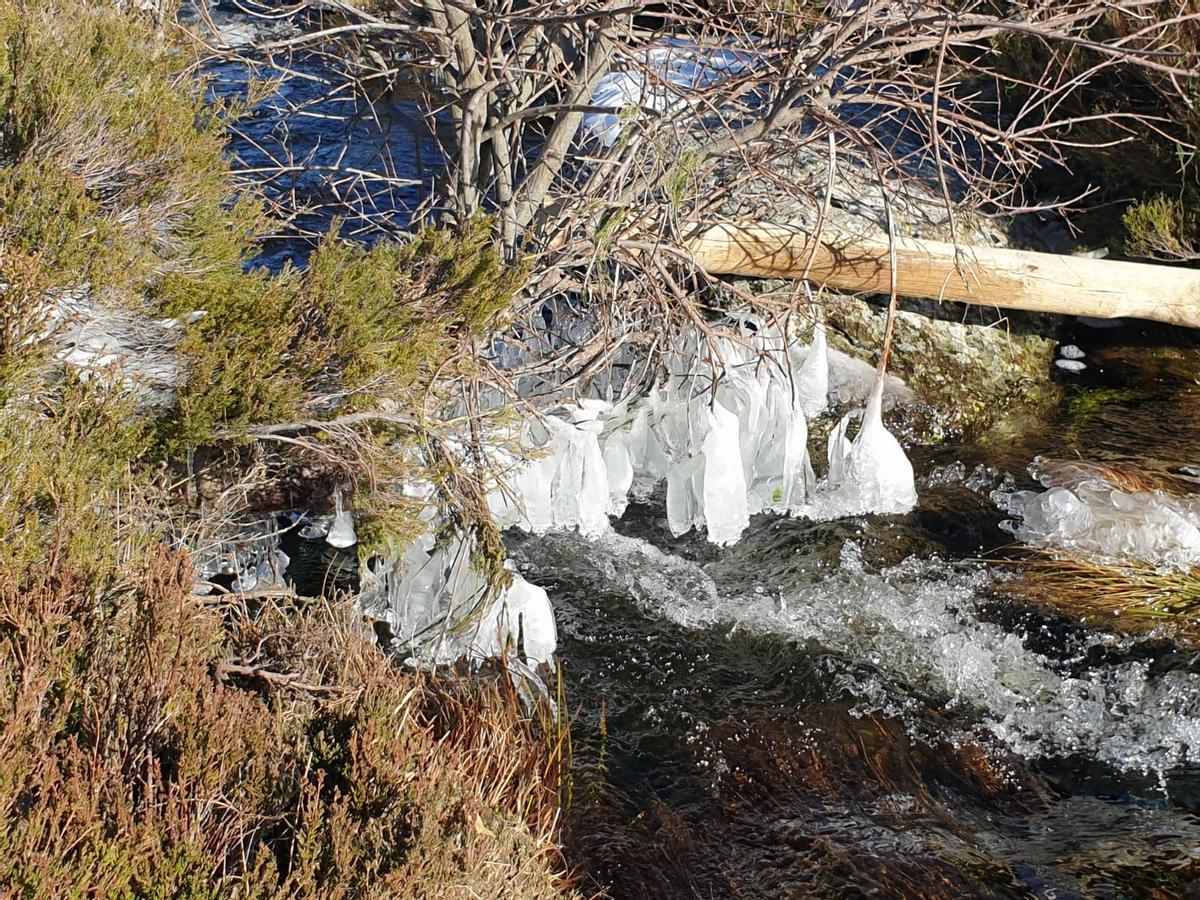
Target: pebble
x=1070, y=351
x=1070, y=365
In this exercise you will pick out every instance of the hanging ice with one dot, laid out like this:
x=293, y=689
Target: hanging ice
x=870, y=474
x=878, y=470
x=341, y=532
x=618, y=466
x=567, y=486
x=440, y=608
x=723, y=488
x=727, y=431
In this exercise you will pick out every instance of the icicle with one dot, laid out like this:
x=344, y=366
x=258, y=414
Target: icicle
x=683, y=508
x=724, y=491
x=341, y=532
x=526, y=612
x=579, y=493
x=619, y=469
x=796, y=464
x=812, y=381
x=838, y=450
x=877, y=469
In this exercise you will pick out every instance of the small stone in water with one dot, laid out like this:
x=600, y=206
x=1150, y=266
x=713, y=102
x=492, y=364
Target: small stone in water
x=1070, y=351
x=1070, y=365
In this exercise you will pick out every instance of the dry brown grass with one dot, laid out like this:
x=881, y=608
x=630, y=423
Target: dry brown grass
x=152, y=744
x=1122, y=476
x=1133, y=597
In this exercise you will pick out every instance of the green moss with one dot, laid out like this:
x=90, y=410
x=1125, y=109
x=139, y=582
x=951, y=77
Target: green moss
x=969, y=377
x=1085, y=403
x=1162, y=227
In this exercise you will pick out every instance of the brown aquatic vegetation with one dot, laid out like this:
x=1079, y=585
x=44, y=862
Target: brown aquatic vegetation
x=156, y=744
x=1121, y=476
x=1132, y=596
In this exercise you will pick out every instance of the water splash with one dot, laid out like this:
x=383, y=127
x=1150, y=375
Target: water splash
x=919, y=624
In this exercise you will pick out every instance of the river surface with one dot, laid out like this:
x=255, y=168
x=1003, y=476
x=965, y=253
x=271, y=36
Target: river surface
x=850, y=708
x=843, y=708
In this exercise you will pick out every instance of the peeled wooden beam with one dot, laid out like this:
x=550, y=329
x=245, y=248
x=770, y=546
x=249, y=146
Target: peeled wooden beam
x=987, y=276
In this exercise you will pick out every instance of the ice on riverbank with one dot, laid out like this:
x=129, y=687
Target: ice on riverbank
x=1090, y=517
x=440, y=607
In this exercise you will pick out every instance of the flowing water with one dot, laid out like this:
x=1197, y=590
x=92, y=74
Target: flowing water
x=850, y=707
x=845, y=708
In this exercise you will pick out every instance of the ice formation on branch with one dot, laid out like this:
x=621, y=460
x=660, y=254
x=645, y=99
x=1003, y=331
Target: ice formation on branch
x=870, y=474
x=1083, y=513
x=248, y=553
x=441, y=610
x=726, y=430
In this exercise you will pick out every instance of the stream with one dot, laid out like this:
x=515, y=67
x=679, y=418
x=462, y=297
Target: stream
x=849, y=708
x=852, y=707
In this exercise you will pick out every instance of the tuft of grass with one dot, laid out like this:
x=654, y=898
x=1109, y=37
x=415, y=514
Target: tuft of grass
x=1162, y=227
x=1131, y=596
x=1121, y=476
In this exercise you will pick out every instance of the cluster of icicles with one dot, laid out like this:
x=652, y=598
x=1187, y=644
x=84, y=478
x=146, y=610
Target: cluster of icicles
x=728, y=432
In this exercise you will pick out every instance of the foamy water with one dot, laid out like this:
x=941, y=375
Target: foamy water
x=919, y=623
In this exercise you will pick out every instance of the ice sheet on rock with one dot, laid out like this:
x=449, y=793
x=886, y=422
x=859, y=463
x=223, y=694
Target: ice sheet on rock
x=662, y=78
x=1087, y=516
x=852, y=380
x=93, y=337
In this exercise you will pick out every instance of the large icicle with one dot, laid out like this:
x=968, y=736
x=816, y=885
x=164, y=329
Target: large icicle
x=431, y=597
x=870, y=474
x=723, y=494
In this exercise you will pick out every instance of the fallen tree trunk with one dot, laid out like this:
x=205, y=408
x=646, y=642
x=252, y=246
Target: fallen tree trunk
x=987, y=276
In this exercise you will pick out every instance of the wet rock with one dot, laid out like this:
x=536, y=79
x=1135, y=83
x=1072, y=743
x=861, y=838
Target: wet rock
x=968, y=374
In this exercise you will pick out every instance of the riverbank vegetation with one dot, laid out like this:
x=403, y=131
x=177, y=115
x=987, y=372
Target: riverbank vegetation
x=158, y=743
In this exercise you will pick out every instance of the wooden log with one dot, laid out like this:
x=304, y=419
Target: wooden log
x=987, y=276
